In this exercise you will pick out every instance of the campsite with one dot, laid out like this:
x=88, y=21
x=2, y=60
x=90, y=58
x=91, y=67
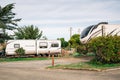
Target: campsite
x=59, y=40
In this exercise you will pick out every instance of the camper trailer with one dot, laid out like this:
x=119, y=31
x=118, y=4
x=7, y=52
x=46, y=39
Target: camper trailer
x=101, y=29
x=34, y=47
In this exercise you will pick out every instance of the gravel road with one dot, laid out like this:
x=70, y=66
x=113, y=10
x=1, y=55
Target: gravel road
x=35, y=70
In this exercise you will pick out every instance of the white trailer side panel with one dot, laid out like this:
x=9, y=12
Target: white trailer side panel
x=28, y=45
x=55, y=46
x=46, y=46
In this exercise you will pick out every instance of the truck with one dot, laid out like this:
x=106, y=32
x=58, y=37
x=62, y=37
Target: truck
x=100, y=29
x=34, y=47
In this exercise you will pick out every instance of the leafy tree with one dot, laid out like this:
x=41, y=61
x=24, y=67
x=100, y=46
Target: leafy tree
x=75, y=40
x=7, y=20
x=28, y=32
x=5, y=36
x=63, y=42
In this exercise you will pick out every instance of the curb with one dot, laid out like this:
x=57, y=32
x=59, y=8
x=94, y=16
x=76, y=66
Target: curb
x=97, y=70
x=112, y=69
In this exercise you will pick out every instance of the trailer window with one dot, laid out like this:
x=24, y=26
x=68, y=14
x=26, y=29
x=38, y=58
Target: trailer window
x=16, y=45
x=43, y=45
x=86, y=31
x=94, y=27
x=54, y=45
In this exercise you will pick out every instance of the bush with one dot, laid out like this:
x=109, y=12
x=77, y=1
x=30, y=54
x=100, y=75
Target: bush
x=82, y=49
x=20, y=51
x=76, y=54
x=106, y=49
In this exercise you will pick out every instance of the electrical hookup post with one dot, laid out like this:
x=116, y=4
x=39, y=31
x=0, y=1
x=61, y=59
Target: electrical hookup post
x=52, y=58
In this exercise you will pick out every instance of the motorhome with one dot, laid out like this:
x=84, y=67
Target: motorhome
x=101, y=29
x=34, y=47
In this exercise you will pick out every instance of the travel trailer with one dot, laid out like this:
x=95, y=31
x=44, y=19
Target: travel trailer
x=34, y=47
x=101, y=29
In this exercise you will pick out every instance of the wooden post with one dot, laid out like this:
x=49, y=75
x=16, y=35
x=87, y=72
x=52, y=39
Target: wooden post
x=52, y=59
x=48, y=54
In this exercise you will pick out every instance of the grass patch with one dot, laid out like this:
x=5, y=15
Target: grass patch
x=86, y=66
x=20, y=59
x=80, y=55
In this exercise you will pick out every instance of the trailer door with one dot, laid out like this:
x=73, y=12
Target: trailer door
x=55, y=47
x=42, y=47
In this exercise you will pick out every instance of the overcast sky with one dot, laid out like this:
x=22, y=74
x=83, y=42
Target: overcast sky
x=55, y=17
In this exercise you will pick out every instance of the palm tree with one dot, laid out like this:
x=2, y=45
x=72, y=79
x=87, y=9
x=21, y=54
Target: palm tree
x=28, y=32
x=7, y=20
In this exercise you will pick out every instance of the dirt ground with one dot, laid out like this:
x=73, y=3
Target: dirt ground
x=35, y=70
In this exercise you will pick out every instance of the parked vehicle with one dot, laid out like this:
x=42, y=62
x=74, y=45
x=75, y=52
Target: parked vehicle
x=34, y=47
x=101, y=29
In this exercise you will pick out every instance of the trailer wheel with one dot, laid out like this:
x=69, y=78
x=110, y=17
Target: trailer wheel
x=47, y=55
x=41, y=55
x=35, y=55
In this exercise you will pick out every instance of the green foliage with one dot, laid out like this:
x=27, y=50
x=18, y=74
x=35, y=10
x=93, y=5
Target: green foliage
x=20, y=51
x=75, y=40
x=63, y=42
x=82, y=49
x=28, y=32
x=76, y=54
x=106, y=49
x=7, y=17
x=7, y=21
x=1, y=40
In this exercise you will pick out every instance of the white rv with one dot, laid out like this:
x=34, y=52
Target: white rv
x=100, y=29
x=34, y=47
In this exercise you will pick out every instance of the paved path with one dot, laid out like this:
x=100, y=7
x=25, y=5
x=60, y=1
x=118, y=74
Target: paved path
x=35, y=70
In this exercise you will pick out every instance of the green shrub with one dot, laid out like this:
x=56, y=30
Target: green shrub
x=82, y=49
x=106, y=49
x=76, y=54
x=20, y=51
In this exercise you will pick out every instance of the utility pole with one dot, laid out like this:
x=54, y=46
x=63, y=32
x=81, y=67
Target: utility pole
x=70, y=35
x=70, y=32
x=79, y=31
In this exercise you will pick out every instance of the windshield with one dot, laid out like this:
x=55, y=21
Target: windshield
x=86, y=31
